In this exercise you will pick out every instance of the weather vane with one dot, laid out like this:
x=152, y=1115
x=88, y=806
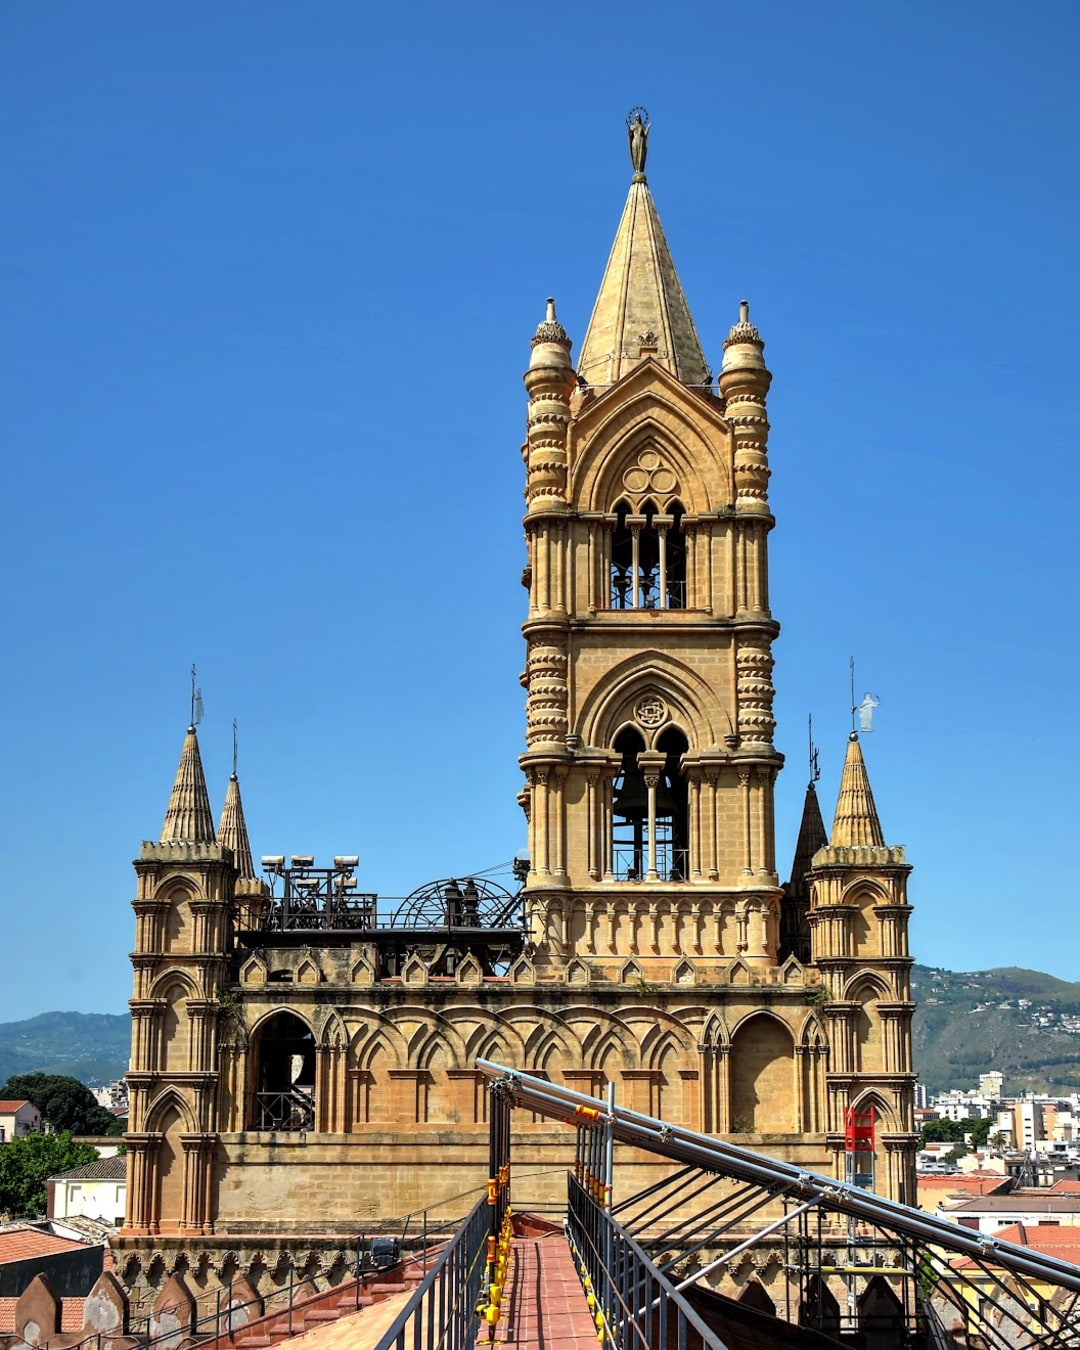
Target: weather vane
x=234, y=747
x=196, y=699
x=864, y=711
x=815, y=771
x=637, y=128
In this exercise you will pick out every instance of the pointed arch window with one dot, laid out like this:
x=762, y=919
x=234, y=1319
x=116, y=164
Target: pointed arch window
x=649, y=809
x=284, y=1075
x=648, y=558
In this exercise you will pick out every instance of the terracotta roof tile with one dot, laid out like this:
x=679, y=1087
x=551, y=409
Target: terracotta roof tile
x=101, y=1169
x=968, y=1183
x=21, y=1244
x=1061, y=1241
x=9, y=1108
x=72, y=1313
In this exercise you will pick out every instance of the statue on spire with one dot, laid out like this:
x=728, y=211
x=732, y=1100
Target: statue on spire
x=637, y=129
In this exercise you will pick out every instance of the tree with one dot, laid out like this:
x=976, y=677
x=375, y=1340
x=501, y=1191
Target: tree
x=28, y=1162
x=979, y=1130
x=954, y=1131
x=65, y=1103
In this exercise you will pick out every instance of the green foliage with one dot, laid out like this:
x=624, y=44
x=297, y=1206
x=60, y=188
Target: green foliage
x=955, y=1131
x=28, y=1162
x=65, y=1103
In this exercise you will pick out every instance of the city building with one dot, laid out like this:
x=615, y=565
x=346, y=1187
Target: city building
x=92, y=1191
x=303, y=1060
x=18, y=1118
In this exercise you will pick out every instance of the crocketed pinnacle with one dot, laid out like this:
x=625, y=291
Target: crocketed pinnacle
x=856, y=823
x=812, y=836
x=188, y=819
x=550, y=329
x=232, y=831
x=641, y=310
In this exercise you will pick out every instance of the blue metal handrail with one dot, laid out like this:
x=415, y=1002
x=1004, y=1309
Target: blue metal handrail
x=442, y=1313
x=639, y=1305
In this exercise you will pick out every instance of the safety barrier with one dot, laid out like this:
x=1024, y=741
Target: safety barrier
x=443, y=1310
x=634, y=1305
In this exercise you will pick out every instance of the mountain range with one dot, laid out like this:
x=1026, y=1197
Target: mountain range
x=1022, y=1023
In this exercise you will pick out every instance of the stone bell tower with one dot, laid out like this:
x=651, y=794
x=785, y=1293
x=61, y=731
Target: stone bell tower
x=649, y=758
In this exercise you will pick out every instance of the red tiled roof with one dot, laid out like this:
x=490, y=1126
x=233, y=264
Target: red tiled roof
x=1021, y=1202
x=1066, y=1187
x=971, y=1183
x=21, y=1244
x=1058, y=1240
x=72, y=1312
x=9, y=1108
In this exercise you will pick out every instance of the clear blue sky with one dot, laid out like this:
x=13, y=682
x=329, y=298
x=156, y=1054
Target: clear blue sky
x=270, y=274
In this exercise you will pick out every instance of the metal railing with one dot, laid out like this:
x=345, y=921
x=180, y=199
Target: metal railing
x=638, y=1304
x=289, y=1111
x=443, y=1312
x=630, y=862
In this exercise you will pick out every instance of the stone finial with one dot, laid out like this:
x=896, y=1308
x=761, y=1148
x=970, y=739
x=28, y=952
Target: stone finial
x=550, y=330
x=188, y=819
x=743, y=346
x=172, y=1320
x=37, y=1313
x=812, y=836
x=232, y=831
x=105, y=1310
x=856, y=822
x=744, y=330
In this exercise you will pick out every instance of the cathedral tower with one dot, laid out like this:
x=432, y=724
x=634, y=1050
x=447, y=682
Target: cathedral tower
x=649, y=756
x=183, y=935
x=858, y=921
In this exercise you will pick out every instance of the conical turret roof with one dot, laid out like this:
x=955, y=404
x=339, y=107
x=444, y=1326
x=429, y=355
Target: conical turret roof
x=232, y=831
x=641, y=310
x=188, y=819
x=856, y=823
x=812, y=836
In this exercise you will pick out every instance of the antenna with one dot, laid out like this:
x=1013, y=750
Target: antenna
x=234, y=747
x=196, y=699
x=815, y=771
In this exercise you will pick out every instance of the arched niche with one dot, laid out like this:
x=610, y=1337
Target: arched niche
x=762, y=1077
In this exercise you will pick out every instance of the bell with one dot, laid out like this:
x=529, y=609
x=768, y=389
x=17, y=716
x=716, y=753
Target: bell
x=632, y=802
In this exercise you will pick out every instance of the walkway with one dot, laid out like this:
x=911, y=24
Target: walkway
x=545, y=1307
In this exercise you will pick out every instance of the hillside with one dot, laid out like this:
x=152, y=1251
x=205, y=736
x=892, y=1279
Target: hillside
x=1021, y=1022
x=93, y=1047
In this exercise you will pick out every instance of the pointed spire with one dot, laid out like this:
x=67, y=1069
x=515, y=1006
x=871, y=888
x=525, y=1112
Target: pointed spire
x=641, y=310
x=856, y=823
x=812, y=836
x=188, y=819
x=232, y=832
